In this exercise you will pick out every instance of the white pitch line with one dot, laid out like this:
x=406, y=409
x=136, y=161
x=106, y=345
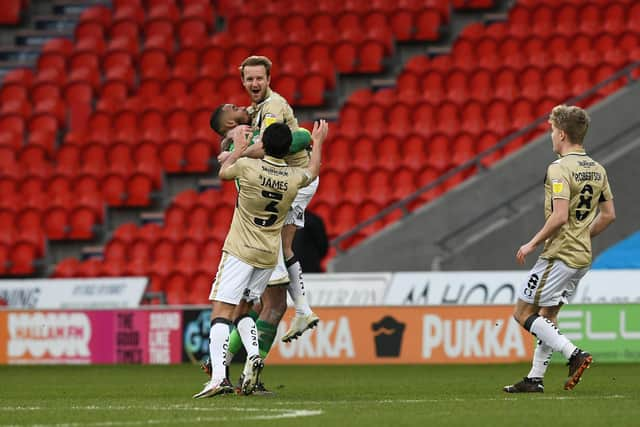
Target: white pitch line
x=284, y=413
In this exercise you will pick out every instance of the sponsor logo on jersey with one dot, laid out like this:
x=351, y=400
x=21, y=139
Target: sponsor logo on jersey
x=269, y=119
x=557, y=186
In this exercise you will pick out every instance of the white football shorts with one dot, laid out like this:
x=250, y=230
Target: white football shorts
x=550, y=283
x=300, y=203
x=236, y=280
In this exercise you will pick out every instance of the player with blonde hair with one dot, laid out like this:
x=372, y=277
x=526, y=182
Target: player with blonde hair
x=578, y=206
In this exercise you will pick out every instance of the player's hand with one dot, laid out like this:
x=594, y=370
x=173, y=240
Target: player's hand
x=524, y=250
x=320, y=131
x=240, y=135
x=223, y=156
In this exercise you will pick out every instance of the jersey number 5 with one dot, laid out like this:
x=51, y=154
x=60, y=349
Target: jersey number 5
x=271, y=207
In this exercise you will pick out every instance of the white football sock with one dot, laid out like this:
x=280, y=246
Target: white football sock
x=541, y=358
x=249, y=335
x=229, y=358
x=549, y=334
x=218, y=348
x=296, y=288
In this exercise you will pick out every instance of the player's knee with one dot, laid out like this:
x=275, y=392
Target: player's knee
x=521, y=317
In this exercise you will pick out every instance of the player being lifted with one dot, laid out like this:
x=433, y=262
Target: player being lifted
x=267, y=108
x=578, y=206
x=266, y=189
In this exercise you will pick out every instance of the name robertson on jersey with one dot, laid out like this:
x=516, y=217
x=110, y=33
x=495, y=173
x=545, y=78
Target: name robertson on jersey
x=274, y=184
x=587, y=176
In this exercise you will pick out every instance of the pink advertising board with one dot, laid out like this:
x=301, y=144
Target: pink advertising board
x=82, y=337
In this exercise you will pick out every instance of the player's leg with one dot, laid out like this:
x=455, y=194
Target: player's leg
x=235, y=342
x=248, y=331
x=550, y=283
x=543, y=352
x=268, y=310
x=305, y=318
x=226, y=293
x=218, y=340
x=533, y=382
x=274, y=304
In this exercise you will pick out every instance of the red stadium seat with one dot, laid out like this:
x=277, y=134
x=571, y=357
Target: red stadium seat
x=486, y=142
x=113, y=268
x=481, y=85
x=56, y=223
x=198, y=155
x=344, y=56
x=473, y=117
x=192, y=32
x=438, y=153
x=498, y=117
x=413, y=152
x=82, y=221
x=22, y=256
x=536, y=52
x=139, y=190
x=343, y=218
x=542, y=21
x=590, y=21
x=389, y=153
x=567, y=22
x=403, y=183
x=487, y=54
x=356, y=181
x=427, y=23
x=312, y=90
x=66, y=268
x=380, y=183
x=114, y=189
x=433, y=86
x=370, y=56
x=402, y=24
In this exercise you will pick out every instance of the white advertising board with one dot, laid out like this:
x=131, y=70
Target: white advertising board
x=345, y=289
x=501, y=287
x=49, y=294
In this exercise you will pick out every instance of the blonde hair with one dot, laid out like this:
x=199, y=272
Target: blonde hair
x=572, y=120
x=255, y=60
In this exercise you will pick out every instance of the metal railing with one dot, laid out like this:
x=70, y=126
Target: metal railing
x=402, y=204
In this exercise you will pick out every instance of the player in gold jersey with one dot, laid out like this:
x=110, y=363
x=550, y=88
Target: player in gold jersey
x=267, y=187
x=578, y=206
x=267, y=108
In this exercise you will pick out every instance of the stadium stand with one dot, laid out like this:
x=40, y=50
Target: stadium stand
x=107, y=120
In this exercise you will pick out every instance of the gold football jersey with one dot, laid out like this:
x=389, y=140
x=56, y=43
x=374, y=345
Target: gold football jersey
x=583, y=181
x=266, y=189
x=274, y=109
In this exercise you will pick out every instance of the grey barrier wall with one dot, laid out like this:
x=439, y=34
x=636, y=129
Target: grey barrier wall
x=480, y=224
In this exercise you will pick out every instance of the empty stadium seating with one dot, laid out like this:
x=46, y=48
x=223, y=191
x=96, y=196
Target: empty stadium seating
x=103, y=117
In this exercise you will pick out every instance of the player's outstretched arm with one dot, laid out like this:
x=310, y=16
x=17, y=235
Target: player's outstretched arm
x=240, y=136
x=606, y=215
x=318, y=135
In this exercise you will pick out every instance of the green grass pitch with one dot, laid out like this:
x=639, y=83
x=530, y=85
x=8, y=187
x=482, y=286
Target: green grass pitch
x=417, y=395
